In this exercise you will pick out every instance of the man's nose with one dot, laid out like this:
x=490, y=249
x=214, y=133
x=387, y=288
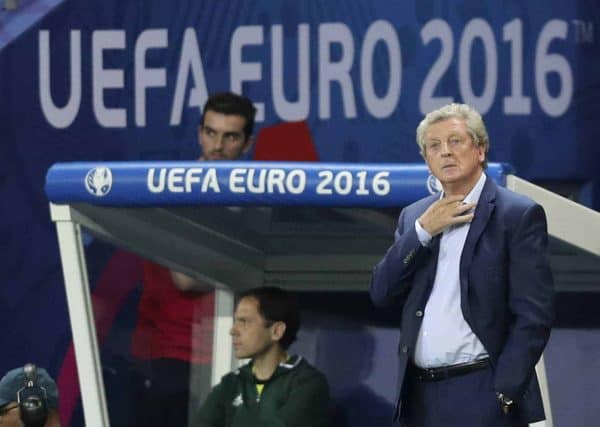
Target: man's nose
x=232, y=331
x=446, y=148
x=219, y=141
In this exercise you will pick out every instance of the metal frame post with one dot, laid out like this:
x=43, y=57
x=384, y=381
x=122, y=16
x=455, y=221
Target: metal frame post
x=223, y=358
x=81, y=316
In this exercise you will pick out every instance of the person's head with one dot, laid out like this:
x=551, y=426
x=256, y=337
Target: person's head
x=28, y=399
x=454, y=142
x=226, y=126
x=265, y=318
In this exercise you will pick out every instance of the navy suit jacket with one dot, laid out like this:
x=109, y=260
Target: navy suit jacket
x=507, y=291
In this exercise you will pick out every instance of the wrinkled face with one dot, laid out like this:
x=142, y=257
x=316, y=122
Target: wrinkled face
x=451, y=154
x=252, y=335
x=222, y=136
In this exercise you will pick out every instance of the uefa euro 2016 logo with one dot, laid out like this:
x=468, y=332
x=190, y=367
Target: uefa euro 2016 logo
x=98, y=181
x=433, y=184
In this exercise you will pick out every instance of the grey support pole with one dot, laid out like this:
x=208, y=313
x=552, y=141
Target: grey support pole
x=81, y=316
x=223, y=360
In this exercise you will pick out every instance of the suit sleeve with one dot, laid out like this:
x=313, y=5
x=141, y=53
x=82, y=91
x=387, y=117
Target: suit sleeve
x=390, y=281
x=530, y=302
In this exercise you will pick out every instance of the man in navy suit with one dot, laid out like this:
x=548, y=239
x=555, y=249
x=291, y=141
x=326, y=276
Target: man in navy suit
x=470, y=272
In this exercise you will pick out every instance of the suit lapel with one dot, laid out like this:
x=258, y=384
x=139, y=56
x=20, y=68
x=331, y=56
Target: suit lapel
x=483, y=212
x=434, y=248
x=434, y=245
x=430, y=265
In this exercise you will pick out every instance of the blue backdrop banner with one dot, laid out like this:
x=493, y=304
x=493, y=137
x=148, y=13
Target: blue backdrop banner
x=124, y=81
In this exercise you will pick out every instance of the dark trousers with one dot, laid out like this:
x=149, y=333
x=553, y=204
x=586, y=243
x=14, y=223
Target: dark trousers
x=464, y=401
x=164, y=392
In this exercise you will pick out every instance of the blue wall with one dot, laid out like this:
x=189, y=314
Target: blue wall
x=396, y=59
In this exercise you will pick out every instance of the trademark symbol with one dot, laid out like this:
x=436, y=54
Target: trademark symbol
x=583, y=31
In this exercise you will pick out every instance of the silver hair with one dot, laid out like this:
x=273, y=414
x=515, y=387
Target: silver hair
x=473, y=120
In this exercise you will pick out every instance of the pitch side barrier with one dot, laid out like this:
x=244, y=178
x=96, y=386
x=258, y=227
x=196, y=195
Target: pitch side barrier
x=245, y=183
x=155, y=184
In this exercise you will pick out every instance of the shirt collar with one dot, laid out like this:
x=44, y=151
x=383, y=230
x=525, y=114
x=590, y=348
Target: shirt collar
x=475, y=193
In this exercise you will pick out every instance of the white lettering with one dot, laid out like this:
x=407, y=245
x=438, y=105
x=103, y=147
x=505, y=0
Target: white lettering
x=299, y=176
x=236, y=180
x=60, y=117
x=323, y=187
x=276, y=177
x=190, y=59
x=339, y=71
x=478, y=29
x=147, y=77
x=381, y=31
x=362, y=184
x=105, y=78
x=342, y=183
x=192, y=177
x=180, y=180
x=160, y=186
x=516, y=103
x=546, y=63
x=245, y=71
x=211, y=181
x=267, y=181
x=175, y=180
x=256, y=188
x=436, y=29
x=286, y=110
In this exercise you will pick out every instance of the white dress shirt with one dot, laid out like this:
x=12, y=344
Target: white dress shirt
x=445, y=338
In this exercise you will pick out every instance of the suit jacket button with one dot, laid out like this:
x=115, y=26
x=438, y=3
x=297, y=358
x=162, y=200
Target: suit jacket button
x=419, y=313
x=404, y=349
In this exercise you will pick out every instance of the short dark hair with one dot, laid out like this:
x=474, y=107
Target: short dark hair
x=230, y=103
x=277, y=305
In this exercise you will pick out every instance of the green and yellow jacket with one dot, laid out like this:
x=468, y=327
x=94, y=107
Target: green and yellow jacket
x=296, y=395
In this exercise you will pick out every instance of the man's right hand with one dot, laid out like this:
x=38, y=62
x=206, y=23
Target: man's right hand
x=446, y=212
x=185, y=283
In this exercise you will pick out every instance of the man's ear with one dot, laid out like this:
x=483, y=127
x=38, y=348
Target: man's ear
x=277, y=330
x=248, y=144
x=199, y=134
x=482, y=154
x=199, y=139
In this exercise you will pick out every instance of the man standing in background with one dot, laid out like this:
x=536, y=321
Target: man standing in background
x=172, y=339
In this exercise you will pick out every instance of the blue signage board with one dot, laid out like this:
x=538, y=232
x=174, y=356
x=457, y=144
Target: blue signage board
x=245, y=183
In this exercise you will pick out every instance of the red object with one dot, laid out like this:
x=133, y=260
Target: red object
x=286, y=141
x=171, y=323
x=153, y=337
x=120, y=276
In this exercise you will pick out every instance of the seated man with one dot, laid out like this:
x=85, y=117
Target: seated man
x=274, y=388
x=29, y=398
